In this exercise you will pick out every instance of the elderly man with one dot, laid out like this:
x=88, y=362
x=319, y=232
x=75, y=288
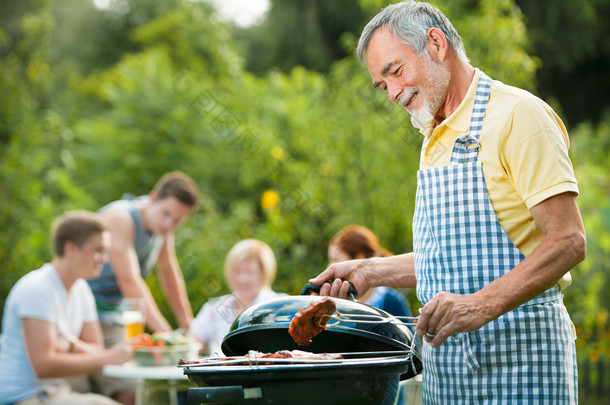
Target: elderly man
x=50, y=329
x=496, y=226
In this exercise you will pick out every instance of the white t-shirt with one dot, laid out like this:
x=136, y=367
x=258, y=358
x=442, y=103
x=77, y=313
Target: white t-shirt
x=39, y=294
x=215, y=318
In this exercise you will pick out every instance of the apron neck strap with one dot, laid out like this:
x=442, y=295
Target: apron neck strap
x=463, y=151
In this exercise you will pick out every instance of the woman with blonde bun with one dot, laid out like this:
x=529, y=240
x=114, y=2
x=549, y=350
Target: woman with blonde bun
x=249, y=270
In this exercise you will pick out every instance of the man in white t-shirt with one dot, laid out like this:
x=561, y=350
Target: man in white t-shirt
x=50, y=329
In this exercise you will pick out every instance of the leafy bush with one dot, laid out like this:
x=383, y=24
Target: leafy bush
x=288, y=158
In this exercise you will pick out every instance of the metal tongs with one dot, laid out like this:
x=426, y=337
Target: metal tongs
x=416, y=343
x=366, y=318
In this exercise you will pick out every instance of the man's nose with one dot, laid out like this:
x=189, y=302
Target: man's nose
x=171, y=223
x=394, y=92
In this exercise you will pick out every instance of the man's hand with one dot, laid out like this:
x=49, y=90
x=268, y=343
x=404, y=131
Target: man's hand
x=392, y=271
x=563, y=246
x=120, y=353
x=449, y=313
x=334, y=280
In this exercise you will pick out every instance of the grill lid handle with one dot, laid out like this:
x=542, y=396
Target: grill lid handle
x=309, y=288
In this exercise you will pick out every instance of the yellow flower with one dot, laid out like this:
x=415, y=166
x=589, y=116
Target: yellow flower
x=269, y=199
x=278, y=153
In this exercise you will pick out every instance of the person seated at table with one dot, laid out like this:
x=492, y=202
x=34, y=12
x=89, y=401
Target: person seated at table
x=50, y=329
x=249, y=270
x=357, y=242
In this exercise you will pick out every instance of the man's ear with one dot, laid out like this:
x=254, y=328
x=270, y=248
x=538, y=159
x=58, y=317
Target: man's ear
x=153, y=196
x=69, y=247
x=437, y=44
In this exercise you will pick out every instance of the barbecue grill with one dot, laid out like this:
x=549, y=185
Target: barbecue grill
x=376, y=355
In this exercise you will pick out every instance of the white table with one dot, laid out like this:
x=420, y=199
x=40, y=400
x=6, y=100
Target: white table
x=151, y=380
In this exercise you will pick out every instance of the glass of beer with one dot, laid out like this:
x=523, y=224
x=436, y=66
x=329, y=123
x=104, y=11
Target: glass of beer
x=134, y=316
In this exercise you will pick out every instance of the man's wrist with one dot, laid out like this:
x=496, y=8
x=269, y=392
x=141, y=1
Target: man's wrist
x=371, y=271
x=491, y=305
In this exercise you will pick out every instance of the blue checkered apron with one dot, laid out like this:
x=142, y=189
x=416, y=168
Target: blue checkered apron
x=525, y=356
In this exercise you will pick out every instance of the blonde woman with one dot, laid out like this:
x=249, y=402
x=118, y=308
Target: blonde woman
x=249, y=270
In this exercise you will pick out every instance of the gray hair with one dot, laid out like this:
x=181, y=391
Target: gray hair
x=410, y=21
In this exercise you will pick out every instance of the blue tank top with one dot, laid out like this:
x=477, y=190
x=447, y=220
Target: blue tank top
x=147, y=246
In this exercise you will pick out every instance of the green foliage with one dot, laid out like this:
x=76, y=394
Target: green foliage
x=589, y=297
x=495, y=39
x=570, y=37
x=301, y=33
x=95, y=38
x=34, y=151
x=329, y=148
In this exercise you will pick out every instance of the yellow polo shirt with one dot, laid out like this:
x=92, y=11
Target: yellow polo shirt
x=524, y=153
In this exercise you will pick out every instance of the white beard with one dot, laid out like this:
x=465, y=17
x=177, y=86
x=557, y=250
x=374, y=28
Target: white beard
x=423, y=117
x=437, y=80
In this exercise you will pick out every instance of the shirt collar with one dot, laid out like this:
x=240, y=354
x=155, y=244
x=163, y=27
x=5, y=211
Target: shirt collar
x=56, y=279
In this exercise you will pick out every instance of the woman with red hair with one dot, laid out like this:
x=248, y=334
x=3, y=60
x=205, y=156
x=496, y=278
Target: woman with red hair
x=358, y=242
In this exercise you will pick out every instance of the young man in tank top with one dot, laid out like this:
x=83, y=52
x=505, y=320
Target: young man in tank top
x=142, y=230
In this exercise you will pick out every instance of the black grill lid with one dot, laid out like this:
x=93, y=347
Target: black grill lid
x=264, y=327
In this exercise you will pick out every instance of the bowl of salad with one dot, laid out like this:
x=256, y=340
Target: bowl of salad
x=164, y=349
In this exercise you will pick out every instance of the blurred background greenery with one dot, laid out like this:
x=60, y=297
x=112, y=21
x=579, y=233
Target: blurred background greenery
x=276, y=122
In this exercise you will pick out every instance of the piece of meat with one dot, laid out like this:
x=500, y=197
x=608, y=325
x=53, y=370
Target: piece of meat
x=299, y=354
x=282, y=354
x=253, y=358
x=310, y=321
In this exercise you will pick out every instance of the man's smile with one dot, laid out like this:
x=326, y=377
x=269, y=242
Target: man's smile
x=407, y=98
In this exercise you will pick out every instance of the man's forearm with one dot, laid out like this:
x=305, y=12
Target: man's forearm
x=63, y=366
x=172, y=283
x=79, y=346
x=394, y=271
x=175, y=291
x=174, y=288
x=551, y=259
x=562, y=248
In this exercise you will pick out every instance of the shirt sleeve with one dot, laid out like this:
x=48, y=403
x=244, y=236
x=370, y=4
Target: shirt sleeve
x=35, y=301
x=536, y=153
x=202, y=324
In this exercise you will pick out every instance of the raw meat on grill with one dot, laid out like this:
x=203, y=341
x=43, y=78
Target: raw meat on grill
x=256, y=357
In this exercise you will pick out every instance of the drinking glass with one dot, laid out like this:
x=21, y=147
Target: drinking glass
x=134, y=316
